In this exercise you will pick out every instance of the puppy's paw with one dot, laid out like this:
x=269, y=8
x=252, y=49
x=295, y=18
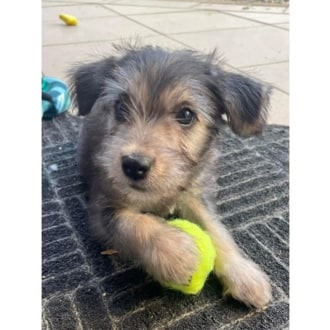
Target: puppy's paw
x=246, y=282
x=173, y=258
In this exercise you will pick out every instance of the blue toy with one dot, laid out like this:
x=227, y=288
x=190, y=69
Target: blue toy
x=55, y=97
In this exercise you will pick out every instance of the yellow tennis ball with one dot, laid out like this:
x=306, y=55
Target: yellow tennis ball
x=207, y=257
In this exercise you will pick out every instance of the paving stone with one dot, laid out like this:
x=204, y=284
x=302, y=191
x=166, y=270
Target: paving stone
x=59, y=34
x=271, y=42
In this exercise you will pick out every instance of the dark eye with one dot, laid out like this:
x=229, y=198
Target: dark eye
x=185, y=117
x=120, y=111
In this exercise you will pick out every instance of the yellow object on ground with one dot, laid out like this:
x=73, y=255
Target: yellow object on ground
x=68, y=19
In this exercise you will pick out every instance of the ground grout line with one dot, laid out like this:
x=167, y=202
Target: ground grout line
x=95, y=41
x=263, y=64
x=252, y=20
x=146, y=26
x=217, y=30
x=248, y=11
x=241, y=70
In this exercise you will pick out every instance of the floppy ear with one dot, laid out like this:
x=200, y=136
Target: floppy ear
x=245, y=103
x=87, y=82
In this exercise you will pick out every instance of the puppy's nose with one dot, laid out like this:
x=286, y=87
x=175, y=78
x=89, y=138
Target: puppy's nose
x=135, y=166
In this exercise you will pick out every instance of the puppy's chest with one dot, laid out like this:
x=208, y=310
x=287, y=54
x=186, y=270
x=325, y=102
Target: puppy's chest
x=170, y=209
x=165, y=211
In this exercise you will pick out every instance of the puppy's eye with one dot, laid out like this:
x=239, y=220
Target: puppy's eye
x=120, y=111
x=185, y=117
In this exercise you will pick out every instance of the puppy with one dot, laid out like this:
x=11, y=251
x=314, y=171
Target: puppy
x=147, y=148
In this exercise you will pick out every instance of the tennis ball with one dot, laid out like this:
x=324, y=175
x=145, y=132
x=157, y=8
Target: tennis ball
x=207, y=257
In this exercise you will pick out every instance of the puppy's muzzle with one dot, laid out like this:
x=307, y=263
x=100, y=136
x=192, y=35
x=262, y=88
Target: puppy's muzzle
x=136, y=166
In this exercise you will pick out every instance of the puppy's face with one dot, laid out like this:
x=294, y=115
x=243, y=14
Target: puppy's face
x=152, y=116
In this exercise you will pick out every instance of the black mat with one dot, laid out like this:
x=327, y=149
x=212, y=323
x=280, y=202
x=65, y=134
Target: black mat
x=83, y=289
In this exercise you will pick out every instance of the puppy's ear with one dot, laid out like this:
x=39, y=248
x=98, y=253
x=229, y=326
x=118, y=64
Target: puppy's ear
x=245, y=103
x=88, y=81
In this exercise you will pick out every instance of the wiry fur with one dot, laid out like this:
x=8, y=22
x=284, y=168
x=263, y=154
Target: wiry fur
x=132, y=101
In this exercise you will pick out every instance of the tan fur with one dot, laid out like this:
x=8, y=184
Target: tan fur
x=153, y=241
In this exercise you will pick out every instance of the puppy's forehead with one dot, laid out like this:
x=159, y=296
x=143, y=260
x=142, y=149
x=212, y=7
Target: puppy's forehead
x=156, y=77
x=159, y=65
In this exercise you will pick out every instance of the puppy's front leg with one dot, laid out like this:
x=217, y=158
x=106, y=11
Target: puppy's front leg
x=165, y=252
x=242, y=278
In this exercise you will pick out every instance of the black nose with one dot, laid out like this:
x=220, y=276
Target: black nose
x=135, y=166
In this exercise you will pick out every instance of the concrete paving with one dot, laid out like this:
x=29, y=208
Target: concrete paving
x=252, y=39
x=82, y=289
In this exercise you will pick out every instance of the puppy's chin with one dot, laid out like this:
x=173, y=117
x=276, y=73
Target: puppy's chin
x=147, y=198
x=138, y=186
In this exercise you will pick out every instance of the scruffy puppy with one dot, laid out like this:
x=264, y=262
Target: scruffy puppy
x=147, y=149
